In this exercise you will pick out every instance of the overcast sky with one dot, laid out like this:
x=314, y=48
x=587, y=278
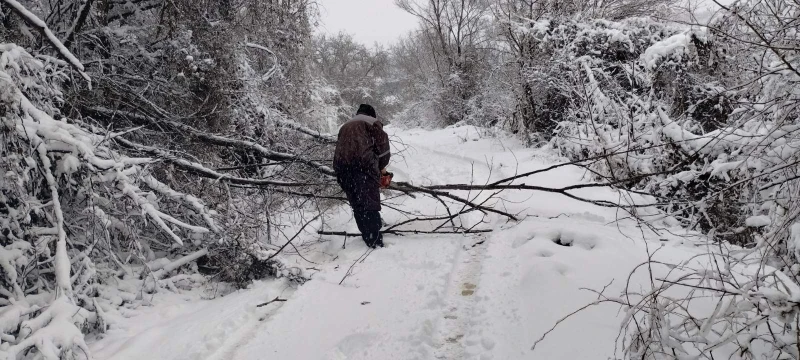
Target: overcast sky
x=369, y=21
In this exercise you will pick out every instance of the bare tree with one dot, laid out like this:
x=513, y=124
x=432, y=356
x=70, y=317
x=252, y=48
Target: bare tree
x=358, y=73
x=455, y=34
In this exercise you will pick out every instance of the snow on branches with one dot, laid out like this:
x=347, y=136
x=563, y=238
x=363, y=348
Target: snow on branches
x=707, y=121
x=68, y=202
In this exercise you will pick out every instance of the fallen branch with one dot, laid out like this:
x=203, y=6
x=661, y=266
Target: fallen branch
x=360, y=259
x=218, y=140
x=159, y=274
x=289, y=241
x=562, y=191
x=400, y=232
x=436, y=191
x=276, y=299
x=201, y=170
x=404, y=186
x=327, y=138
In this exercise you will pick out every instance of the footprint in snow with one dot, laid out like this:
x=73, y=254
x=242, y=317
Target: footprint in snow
x=354, y=344
x=468, y=289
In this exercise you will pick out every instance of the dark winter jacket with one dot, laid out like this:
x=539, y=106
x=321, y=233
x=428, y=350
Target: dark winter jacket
x=362, y=144
x=362, y=150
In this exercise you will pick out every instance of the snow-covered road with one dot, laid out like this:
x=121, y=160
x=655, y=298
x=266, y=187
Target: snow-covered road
x=485, y=296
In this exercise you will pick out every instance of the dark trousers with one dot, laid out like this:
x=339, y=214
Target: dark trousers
x=363, y=193
x=369, y=224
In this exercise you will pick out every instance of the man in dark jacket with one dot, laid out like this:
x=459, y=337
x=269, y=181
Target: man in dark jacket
x=362, y=153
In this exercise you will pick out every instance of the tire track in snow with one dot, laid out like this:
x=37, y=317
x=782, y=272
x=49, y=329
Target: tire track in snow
x=455, y=329
x=245, y=333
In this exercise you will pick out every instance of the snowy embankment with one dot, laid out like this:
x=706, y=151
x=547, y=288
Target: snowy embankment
x=484, y=296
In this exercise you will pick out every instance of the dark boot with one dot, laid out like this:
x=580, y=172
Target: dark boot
x=369, y=223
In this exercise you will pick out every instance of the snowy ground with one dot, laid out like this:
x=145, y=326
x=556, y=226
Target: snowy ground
x=488, y=296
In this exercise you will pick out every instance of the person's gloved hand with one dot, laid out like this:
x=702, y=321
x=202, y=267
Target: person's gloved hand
x=386, y=178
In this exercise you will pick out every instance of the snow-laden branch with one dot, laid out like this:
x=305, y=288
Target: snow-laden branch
x=203, y=171
x=275, y=63
x=62, y=262
x=159, y=274
x=66, y=186
x=54, y=333
x=38, y=127
x=41, y=26
x=305, y=130
x=189, y=200
x=220, y=140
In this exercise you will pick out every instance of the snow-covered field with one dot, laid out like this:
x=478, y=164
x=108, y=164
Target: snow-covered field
x=483, y=296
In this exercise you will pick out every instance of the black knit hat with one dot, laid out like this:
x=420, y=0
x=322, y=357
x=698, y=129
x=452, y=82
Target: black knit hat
x=366, y=110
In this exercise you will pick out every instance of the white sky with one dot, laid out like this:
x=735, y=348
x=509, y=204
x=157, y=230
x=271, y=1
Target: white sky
x=369, y=21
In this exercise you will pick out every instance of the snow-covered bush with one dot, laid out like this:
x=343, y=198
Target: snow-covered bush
x=168, y=154
x=626, y=87
x=664, y=121
x=707, y=121
x=72, y=209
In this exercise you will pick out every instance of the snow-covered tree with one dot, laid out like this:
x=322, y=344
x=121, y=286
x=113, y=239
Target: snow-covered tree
x=705, y=120
x=173, y=148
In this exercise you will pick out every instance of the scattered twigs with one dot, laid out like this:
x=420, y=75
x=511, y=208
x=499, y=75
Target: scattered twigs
x=359, y=260
x=404, y=186
x=276, y=299
x=289, y=241
x=553, y=328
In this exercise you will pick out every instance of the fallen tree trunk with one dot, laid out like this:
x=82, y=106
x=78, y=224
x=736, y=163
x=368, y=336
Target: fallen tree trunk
x=401, y=232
